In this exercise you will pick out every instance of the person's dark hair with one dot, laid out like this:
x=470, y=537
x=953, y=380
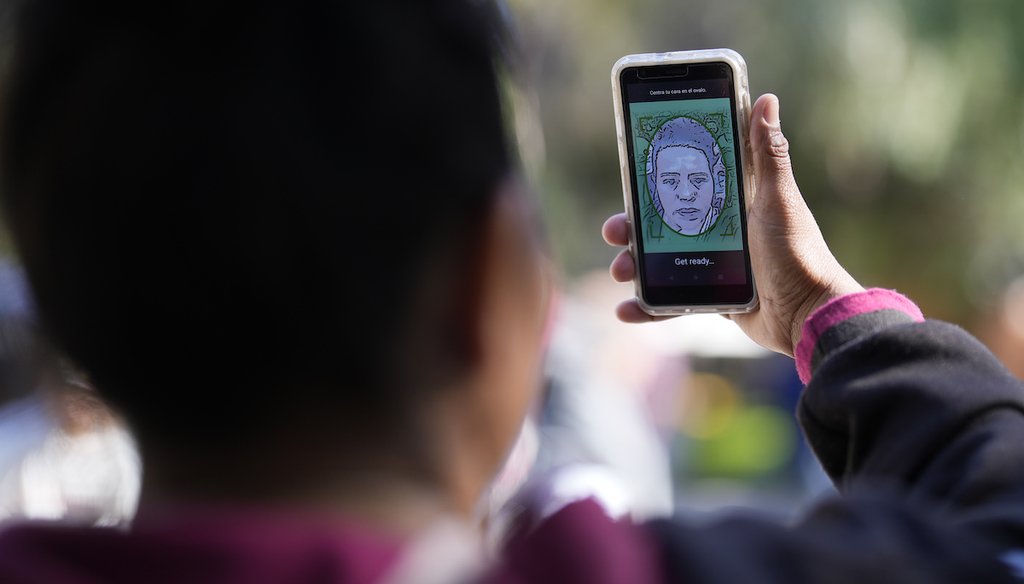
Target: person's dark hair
x=228, y=209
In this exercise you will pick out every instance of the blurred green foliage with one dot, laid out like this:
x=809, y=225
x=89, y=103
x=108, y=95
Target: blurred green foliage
x=906, y=121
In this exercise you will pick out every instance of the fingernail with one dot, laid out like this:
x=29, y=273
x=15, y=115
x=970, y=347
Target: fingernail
x=771, y=112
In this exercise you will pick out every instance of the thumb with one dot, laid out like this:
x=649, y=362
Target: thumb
x=770, y=147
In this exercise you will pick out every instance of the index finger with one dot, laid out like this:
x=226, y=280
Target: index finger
x=616, y=230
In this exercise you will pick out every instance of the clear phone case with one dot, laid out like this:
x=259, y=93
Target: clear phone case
x=742, y=93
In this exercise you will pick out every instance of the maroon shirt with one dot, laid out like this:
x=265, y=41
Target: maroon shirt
x=577, y=544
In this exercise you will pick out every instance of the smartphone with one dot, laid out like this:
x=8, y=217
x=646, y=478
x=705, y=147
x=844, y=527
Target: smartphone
x=682, y=123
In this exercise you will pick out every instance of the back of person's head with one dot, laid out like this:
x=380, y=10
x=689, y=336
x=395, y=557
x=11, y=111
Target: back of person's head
x=234, y=212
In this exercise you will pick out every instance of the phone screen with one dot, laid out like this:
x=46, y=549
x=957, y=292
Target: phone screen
x=689, y=209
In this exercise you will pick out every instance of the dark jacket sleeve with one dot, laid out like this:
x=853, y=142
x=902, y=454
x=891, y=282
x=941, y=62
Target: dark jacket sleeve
x=922, y=431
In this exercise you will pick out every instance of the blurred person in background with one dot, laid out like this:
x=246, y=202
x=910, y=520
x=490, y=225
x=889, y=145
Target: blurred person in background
x=323, y=393
x=598, y=437
x=63, y=455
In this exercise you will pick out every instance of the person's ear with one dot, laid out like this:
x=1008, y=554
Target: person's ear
x=500, y=280
x=465, y=305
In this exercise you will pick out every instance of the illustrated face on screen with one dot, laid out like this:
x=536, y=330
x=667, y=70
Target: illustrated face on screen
x=686, y=176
